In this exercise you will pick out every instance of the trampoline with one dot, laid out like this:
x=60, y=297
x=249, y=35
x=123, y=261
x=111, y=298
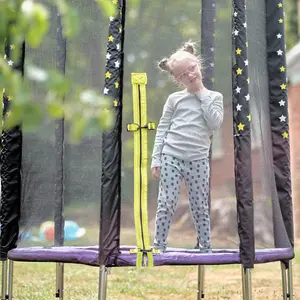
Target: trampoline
x=54, y=191
x=172, y=256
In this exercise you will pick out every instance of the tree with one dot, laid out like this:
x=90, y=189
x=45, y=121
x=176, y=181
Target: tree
x=26, y=20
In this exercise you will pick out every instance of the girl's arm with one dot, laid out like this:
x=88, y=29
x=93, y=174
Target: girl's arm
x=161, y=131
x=213, y=111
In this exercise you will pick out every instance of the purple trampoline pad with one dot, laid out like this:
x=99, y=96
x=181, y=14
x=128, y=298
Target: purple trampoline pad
x=173, y=256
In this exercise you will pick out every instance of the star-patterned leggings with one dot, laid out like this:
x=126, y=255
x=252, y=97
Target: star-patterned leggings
x=196, y=176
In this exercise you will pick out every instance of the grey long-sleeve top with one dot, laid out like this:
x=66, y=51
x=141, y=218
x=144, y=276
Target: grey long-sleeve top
x=186, y=125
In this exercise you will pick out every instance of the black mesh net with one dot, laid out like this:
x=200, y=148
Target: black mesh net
x=62, y=180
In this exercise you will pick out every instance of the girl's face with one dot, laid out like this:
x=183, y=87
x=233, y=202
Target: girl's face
x=187, y=72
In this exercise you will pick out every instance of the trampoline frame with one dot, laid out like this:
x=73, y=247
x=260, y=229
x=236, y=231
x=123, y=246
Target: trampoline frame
x=246, y=280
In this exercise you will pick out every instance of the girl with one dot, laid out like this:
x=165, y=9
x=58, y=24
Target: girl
x=182, y=143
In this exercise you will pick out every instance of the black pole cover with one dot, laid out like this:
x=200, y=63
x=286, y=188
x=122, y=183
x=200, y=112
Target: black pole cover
x=11, y=156
x=208, y=19
x=61, y=55
x=242, y=135
x=110, y=213
x=278, y=103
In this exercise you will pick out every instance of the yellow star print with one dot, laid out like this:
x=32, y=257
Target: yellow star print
x=9, y=98
x=12, y=47
x=120, y=29
x=212, y=79
x=241, y=127
x=114, y=1
x=111, y=38
x=239, y=71
x=280, y=4
x=285, y=135
x=280, y=20
x=115, y=102
x=238, y=51
x=282, y=69
x=107, y=75
x=249, y=118
x=248, y=80
x=283, y=86
x=116, y=84
x=247, y=44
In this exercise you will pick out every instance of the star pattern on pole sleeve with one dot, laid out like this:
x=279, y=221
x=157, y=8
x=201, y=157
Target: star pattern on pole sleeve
x=280, y=71
x=114, y=56
x=241, y=95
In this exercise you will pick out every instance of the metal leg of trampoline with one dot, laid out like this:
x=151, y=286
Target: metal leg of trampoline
x=284, y=282
x=59, y=281
x=200, y=284
x=290, y=281
x=10, y=279
x=246, y=284
x=103, y=271
x=287, y=281
x=4, y=280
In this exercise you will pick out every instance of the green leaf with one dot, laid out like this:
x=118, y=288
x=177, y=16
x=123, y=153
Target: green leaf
x=70, y=22
x=32, y=116
x=55, y=110
x=106, y=119
x=13, y=117
x=35, y=22
x=70, y=18
x=107, y=7
x=58, y=82
x=78, y=128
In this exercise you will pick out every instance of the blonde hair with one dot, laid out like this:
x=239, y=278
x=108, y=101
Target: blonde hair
x=166, y=64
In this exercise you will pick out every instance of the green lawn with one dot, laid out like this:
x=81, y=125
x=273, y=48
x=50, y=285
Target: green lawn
x=36, y=281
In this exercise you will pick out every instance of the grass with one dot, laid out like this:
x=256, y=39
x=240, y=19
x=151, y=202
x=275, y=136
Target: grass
x=36, y=281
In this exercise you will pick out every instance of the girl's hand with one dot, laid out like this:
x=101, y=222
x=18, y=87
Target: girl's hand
x=155, y=172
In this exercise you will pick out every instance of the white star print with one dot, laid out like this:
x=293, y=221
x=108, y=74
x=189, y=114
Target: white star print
x=108, y=56
x=279, y=35
x=10, y=62
x=238, y=90
x=212, y=49
x=236, y=32
x=246, y=62
x=106, y=90
x=247, y=97
x=239, y=107
x=245, y=24
x=235, y=13
x=111, y=18
x=118, y=46
x=282, y=118
x=279, y=52
x=281, y=103
x=212, y=65
x=117, y=64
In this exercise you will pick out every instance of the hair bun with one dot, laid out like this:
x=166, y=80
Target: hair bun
x=163, y=64
x=189, y=47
